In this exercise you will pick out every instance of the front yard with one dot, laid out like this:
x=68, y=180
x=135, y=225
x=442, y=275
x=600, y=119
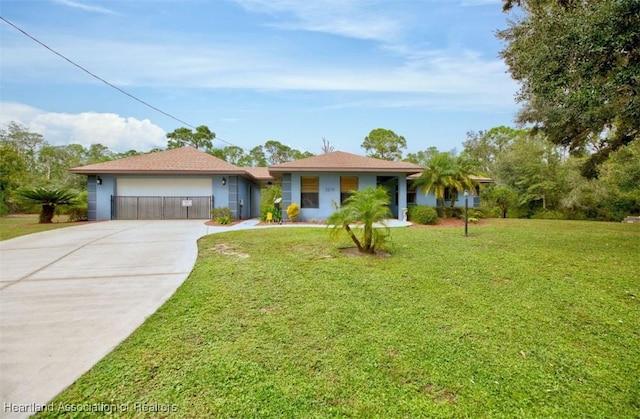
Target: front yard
x=524, y=318
x=18, y=225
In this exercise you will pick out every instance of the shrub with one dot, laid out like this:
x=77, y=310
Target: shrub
x=268, y=196
x=222, y=215
x=423, y=215
x=78, y=213
x=455, y=212
x=548, y=215
x=293, y=211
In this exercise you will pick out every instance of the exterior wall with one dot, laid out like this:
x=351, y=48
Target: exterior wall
x=430, y=200
x=104, y=192
x=287, y=198
x=220, y=192
x=92, y=196
x=329, y=192
x=255, y=201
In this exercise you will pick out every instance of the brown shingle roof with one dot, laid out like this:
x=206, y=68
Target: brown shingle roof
x=345, y=162
x=183, y=160
x=259, y=173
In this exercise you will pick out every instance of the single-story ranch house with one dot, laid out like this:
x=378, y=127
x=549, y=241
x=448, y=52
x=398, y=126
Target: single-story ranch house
x=187, y=183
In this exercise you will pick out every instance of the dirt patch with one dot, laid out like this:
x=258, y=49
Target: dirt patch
x=440, y=395
x=225, y=249
x=269, y=309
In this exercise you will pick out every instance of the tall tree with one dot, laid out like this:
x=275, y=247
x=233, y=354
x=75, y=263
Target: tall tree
x=201, y=138
x=231, y=154
x=277, y=153
x=27, y=144
x=384, y=144
x=482, y=148
x=422, y=157
x=257, y=156
x=13, y=170
x=578, y=65
x=532, y=167
x=99, y=153
x=327, y=147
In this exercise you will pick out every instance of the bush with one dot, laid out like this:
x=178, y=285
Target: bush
x=78, y=213
x=293, y=211
x=268, y=196
x=423, y=215
x=455, y=212
x=222, y=215
x=548, y=215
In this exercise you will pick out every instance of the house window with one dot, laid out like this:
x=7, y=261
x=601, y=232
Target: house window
x=411, y=194
x=448, y=194
x=348, y=185
x=309, y=192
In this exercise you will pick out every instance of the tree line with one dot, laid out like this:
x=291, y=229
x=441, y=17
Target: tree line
x=533, y=177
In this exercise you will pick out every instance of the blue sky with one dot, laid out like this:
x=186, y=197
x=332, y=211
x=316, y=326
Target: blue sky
x=294, y=71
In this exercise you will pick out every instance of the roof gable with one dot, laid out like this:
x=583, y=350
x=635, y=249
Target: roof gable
x=182, y=160
x=340, y=161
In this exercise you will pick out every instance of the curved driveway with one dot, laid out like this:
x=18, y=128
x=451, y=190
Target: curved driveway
x=69, y=296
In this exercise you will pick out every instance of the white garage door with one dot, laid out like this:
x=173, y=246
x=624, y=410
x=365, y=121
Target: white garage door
x=162, y=198
x=164, y=187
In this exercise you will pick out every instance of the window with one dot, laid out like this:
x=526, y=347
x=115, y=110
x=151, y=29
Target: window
x=448, y=194
x=309, y=192
x=411, y=194
x=348, y=184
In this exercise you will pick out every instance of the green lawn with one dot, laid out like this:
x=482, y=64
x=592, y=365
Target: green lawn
x=524, y=318
x=18, y=225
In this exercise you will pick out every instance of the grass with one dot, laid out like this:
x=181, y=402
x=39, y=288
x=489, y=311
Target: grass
x=12, y=226
x=524, y=318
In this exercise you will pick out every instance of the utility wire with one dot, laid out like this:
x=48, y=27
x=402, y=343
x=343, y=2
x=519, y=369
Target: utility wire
x=105, y=81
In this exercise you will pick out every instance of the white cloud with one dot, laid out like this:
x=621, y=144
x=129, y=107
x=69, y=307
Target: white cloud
x=243, y=67
x=86, y=7
x=350, y=18
x=111, y=130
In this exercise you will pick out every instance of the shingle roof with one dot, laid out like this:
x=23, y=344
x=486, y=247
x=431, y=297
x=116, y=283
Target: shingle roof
x=345, y=162
x=183, y=160
x=259, y=173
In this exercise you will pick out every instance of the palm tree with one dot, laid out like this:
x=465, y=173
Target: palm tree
x=363, y=209
x=439, y=174
x=461, y=180
x=48, y=198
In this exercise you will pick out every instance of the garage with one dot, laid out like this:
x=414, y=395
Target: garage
x=179, y=183
x=160, y=198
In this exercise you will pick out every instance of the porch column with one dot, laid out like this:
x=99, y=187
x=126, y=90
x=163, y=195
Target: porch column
x=402, y=195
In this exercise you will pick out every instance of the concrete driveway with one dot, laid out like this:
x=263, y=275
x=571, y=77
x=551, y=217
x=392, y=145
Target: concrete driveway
x=69, y=296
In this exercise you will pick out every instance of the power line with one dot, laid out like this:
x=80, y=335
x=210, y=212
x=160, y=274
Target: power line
x=95, y=76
